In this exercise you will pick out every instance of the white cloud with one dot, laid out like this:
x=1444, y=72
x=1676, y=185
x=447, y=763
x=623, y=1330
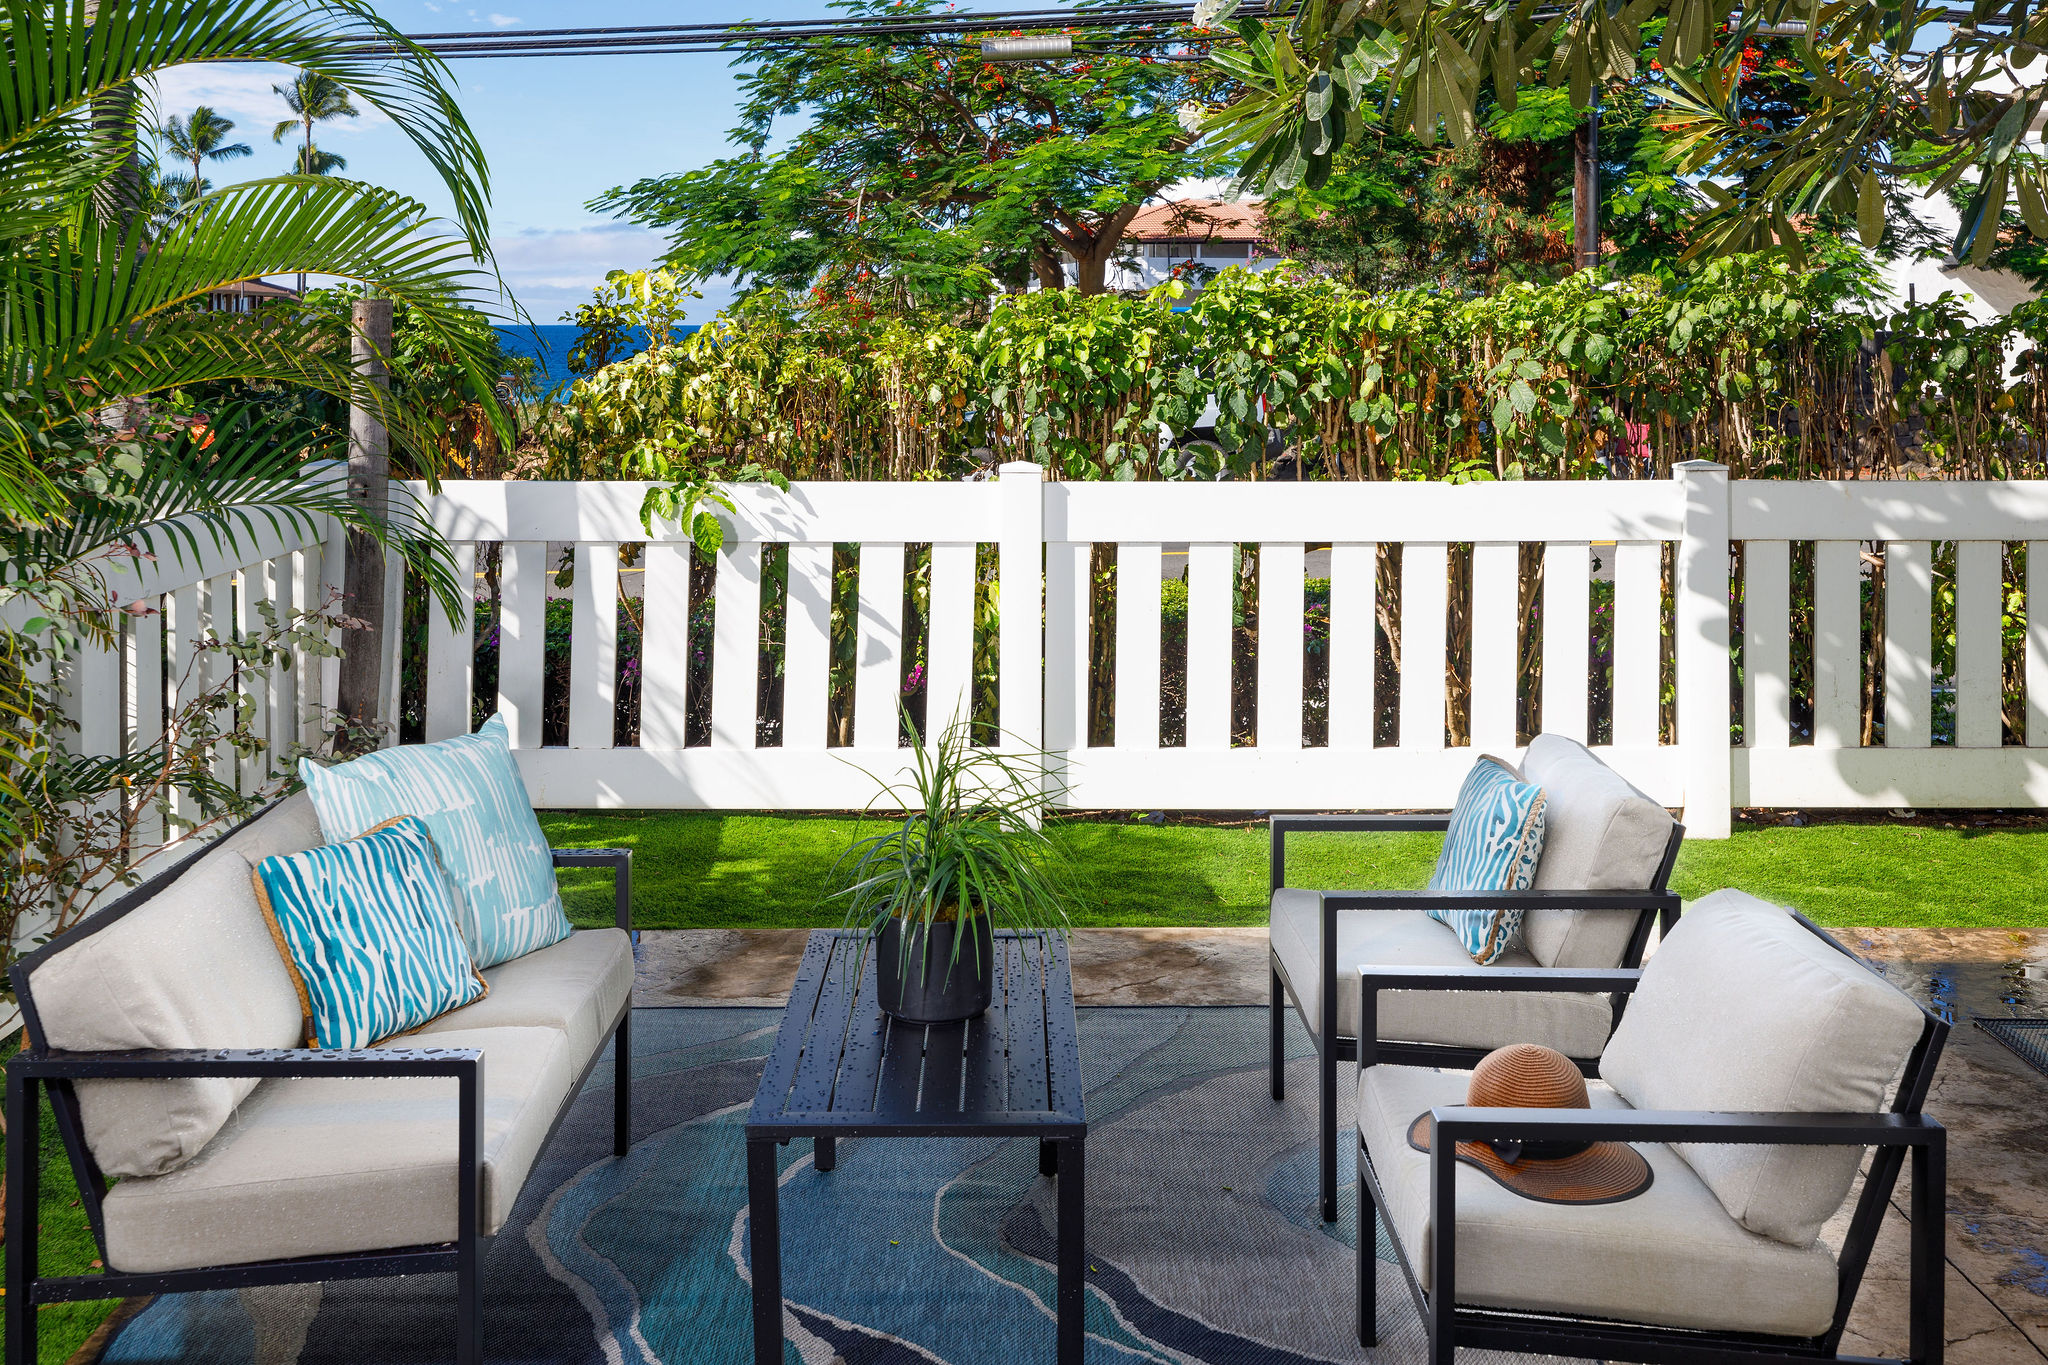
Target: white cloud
x=243, y=93
x=503, y=20
x=550, y=270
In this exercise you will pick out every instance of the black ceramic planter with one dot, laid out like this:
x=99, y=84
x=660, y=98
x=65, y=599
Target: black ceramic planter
x=927, y=985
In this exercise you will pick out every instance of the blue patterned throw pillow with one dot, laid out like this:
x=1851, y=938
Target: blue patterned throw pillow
x=1493, y=844
x=367, y=930
x=468, y=792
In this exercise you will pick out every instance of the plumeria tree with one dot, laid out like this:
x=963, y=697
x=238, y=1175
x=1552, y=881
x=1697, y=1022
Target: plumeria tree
x=1894, y=91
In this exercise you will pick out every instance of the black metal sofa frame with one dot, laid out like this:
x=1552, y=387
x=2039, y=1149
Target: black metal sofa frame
x=1654, y=905
x=1893, y=1134
x=37, y=1068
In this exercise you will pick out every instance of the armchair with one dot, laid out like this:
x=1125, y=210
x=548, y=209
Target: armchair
x=1600, y=887
x=1720, y=1257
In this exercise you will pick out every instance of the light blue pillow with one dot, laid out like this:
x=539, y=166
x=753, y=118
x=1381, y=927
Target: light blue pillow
x=1494, y=843
x=368, y=933
x=468, y=792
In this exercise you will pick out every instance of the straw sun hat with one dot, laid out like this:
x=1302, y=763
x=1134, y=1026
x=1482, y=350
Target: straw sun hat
x=1526, y=1076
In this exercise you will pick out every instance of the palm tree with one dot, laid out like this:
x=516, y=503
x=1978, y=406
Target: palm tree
x=318, y=161
x=313, y=98
x=88, y=314
x=200, y=137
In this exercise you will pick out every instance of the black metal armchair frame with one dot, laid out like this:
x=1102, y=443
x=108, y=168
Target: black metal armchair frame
x=1653, y=906
x=1895, y=1134
x=37, y=1069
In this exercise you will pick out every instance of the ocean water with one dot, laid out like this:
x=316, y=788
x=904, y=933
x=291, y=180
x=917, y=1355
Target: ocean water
x=550, y=344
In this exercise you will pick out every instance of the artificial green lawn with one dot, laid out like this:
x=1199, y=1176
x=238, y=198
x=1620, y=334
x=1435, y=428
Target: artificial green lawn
x=67, y=1248
x=746, y=871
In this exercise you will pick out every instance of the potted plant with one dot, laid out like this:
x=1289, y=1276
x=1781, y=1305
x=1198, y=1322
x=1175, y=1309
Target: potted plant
x=927, y=891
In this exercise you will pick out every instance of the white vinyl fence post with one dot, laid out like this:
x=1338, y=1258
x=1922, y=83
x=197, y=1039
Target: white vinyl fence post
x=1701, y=590
x=1020, y=575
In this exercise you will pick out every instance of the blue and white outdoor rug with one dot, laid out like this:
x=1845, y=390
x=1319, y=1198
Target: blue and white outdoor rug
x=1203, y=1245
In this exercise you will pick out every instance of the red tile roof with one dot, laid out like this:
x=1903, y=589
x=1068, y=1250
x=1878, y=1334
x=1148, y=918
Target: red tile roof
x=1198, y=220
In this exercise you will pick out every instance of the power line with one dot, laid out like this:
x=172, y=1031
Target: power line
x=926, y=30
x=660, y=39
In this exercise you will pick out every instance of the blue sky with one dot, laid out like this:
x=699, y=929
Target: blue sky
x=557, y=131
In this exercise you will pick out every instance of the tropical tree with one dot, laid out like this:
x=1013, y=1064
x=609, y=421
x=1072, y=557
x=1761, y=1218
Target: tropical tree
x=926, y=171
x=319, y=161
x=197, y=138
x=94, y=324
x=313, y=98
x=1894, y=90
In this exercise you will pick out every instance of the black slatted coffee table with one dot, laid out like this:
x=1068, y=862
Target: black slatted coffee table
x=843, y=1068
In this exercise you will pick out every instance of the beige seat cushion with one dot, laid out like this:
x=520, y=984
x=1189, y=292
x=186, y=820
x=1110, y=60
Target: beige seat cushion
x=1599, y=834
x=578, y=986
x=194, y=966
x=319, y=1165
x=1575, y=1024
x=289, y=826
x=1670, y=1256
x=1742, y=1008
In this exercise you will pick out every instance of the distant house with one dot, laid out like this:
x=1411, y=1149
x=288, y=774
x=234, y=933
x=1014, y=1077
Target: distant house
x=243, y=297
x=1170, y=237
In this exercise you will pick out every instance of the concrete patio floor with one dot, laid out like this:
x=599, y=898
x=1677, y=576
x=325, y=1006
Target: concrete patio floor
x=1995, y=1107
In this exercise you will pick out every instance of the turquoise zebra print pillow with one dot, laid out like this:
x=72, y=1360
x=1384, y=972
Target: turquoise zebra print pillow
x=1493, y=844
x=468, y=792
x=367, y=930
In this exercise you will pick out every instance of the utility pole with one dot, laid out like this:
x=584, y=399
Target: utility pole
x=1586, y=190
x=360, y=696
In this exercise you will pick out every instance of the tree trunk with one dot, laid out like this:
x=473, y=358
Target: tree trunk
x=1586, y=191
x=1093, y=263
x=363, y=702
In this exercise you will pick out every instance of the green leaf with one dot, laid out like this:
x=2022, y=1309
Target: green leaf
x=708, y=533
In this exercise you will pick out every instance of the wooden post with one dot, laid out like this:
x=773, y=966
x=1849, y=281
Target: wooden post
x=1586, y=191
x=362, y=698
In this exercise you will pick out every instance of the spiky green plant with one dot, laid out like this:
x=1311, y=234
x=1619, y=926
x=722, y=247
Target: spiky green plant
x=970, y=843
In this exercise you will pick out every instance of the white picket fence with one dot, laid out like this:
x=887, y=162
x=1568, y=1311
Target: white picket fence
x=1043, y=533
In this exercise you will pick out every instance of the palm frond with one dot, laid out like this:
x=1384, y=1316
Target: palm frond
x=248, y=476
x=60, y=56
x=86, y=312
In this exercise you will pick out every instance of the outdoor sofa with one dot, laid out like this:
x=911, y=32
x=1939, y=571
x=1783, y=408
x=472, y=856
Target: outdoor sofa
x=1599, y=888
x=212, y=1151
x=1757, y=1064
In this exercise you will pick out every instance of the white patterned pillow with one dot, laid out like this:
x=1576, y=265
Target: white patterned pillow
x=1494, y=842
x=468, y=792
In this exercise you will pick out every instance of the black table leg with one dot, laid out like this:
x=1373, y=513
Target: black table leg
x=765, y=1225
x=1048, y=1157
x=1073, y=1254
x=823, y=1154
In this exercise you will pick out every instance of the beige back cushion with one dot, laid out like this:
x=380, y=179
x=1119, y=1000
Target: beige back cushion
x=194, y=966
x=1599, y=834
x=1743, y=1009
x=290, y=826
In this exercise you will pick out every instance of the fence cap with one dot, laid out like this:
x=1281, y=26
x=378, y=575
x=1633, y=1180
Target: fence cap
x=1700, y=466
x=1027, y=468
